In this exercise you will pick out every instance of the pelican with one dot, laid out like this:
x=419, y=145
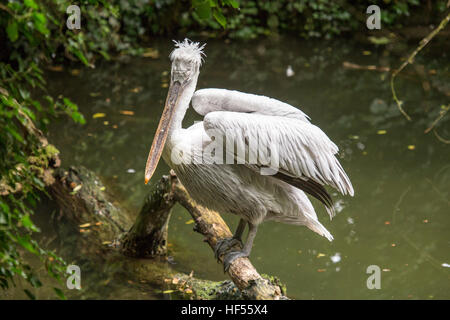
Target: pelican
x=259, y=181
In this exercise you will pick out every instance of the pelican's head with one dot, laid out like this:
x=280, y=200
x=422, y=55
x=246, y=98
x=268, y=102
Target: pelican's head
x=186, y=60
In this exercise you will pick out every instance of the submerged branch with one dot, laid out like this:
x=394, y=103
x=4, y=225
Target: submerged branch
x=440, y=138
x=441, y=115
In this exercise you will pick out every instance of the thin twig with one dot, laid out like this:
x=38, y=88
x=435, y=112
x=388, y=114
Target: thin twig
x=441, y=115
x=410, y=60
x=440, y=138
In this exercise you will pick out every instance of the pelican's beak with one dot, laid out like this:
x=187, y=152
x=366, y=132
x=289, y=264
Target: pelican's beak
x=162, y=132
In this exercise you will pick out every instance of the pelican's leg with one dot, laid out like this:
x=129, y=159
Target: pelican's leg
x=245, y=252
x=239, y=230
x=227, y=243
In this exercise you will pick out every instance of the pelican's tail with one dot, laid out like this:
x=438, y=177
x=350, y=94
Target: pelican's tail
x=317, y=227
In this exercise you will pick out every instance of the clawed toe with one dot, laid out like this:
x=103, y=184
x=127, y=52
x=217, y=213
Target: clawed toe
x=223, y=245
x=230, y=257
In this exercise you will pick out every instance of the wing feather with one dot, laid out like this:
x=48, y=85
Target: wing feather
x=304, y=151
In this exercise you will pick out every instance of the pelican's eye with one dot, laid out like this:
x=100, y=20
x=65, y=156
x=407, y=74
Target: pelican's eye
x=181, y=70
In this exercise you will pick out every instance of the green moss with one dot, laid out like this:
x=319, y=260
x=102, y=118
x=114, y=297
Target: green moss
x=51, y=151
x=209, y=290
x=275, y=281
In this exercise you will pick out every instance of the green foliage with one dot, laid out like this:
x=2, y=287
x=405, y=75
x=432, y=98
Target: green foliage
x=306, y=18
x=31, y=36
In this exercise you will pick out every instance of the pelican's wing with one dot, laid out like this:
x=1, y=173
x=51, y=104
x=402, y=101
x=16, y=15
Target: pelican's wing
x=205, y=101
x=300, y=152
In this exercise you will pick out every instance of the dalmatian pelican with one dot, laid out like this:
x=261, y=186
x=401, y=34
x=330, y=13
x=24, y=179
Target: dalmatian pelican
x=273, y=155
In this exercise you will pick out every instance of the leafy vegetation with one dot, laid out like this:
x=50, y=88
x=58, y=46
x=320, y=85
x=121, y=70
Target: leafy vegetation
x=312, y=19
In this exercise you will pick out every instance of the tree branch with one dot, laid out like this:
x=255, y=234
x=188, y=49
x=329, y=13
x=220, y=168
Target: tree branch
x=410, y=60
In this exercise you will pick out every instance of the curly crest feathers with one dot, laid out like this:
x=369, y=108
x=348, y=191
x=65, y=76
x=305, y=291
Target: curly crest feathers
x=188, y=50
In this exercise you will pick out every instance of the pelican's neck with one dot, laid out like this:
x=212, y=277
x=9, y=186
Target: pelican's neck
x=183, y=105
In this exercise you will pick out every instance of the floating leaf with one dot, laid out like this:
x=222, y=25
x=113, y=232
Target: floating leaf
x=411, y=147
x=127, y=112
x=168, y=291
x=136, y=90
x=85, y=225
x=55, y=68
x=381, y=132
x=150, y=53
x=321, y=255
x=190, y=221
x=98, y=115
x=380, y=40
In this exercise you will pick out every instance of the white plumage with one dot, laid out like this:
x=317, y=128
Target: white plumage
x=266, y=179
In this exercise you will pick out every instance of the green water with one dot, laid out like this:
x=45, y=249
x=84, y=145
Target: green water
x=398, y=219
